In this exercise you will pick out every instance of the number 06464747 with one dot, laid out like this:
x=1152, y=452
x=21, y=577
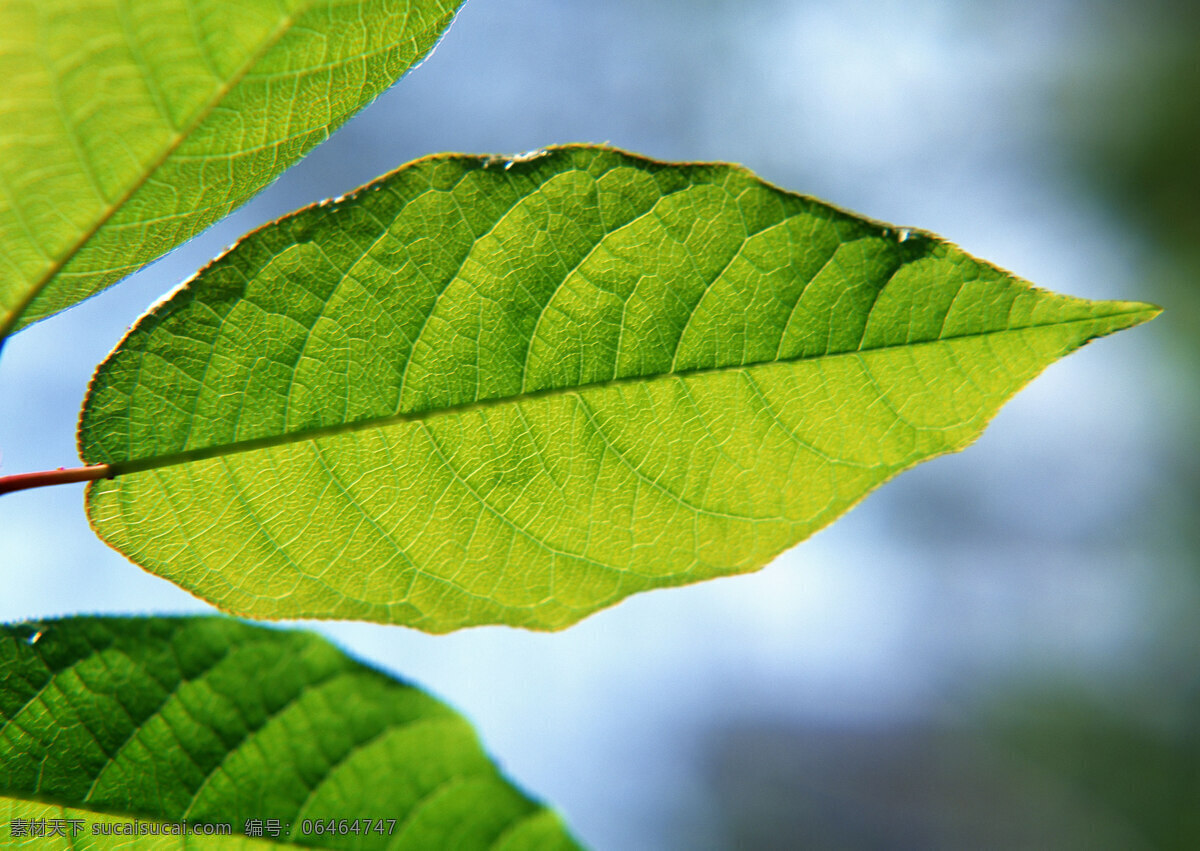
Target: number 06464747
x=344, y=827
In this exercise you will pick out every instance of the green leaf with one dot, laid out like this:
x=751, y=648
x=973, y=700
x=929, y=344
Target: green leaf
x=516, y=392
x=211, y=721
x=127, y=128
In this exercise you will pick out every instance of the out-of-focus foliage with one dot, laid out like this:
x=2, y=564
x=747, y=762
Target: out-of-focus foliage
x=1134, y=121
x=1138, y=770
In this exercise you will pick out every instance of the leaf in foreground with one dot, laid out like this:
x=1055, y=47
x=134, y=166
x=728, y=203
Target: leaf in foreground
x=516, y=393
x=211, y=721
x=127, y=128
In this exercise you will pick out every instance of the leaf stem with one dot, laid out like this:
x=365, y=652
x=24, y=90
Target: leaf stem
x=61, y=476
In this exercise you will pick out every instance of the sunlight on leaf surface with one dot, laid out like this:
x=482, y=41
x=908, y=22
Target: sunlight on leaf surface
x=485, y=391
x=213, y=721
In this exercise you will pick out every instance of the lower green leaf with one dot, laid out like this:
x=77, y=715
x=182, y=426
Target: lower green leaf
x=236, y=731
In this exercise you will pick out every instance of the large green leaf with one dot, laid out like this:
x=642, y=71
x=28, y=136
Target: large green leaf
x=516, y=392
x=211, y=721
x=128, y=127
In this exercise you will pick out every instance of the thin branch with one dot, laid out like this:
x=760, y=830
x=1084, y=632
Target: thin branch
x=61, y=476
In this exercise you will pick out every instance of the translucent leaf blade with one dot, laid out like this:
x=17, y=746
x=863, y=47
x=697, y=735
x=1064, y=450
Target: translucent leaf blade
x=211, y=721
x=126, y=129
x=489, y=392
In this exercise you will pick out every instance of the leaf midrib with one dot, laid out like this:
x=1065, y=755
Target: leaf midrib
x=201, y=115
x=119, y=468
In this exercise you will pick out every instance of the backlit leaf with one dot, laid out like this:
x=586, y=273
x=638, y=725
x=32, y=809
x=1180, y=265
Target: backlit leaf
x=213, y=722
x=128, y=127
x=516, y=392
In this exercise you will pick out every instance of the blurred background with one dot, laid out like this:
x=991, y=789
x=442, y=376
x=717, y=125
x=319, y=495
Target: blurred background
x=999, y=649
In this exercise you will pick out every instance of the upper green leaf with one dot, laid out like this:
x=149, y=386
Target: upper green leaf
x=210, y=721
x=516, y=392
x=128, y=127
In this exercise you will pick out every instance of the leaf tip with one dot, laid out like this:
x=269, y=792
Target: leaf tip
x=1133, y=312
